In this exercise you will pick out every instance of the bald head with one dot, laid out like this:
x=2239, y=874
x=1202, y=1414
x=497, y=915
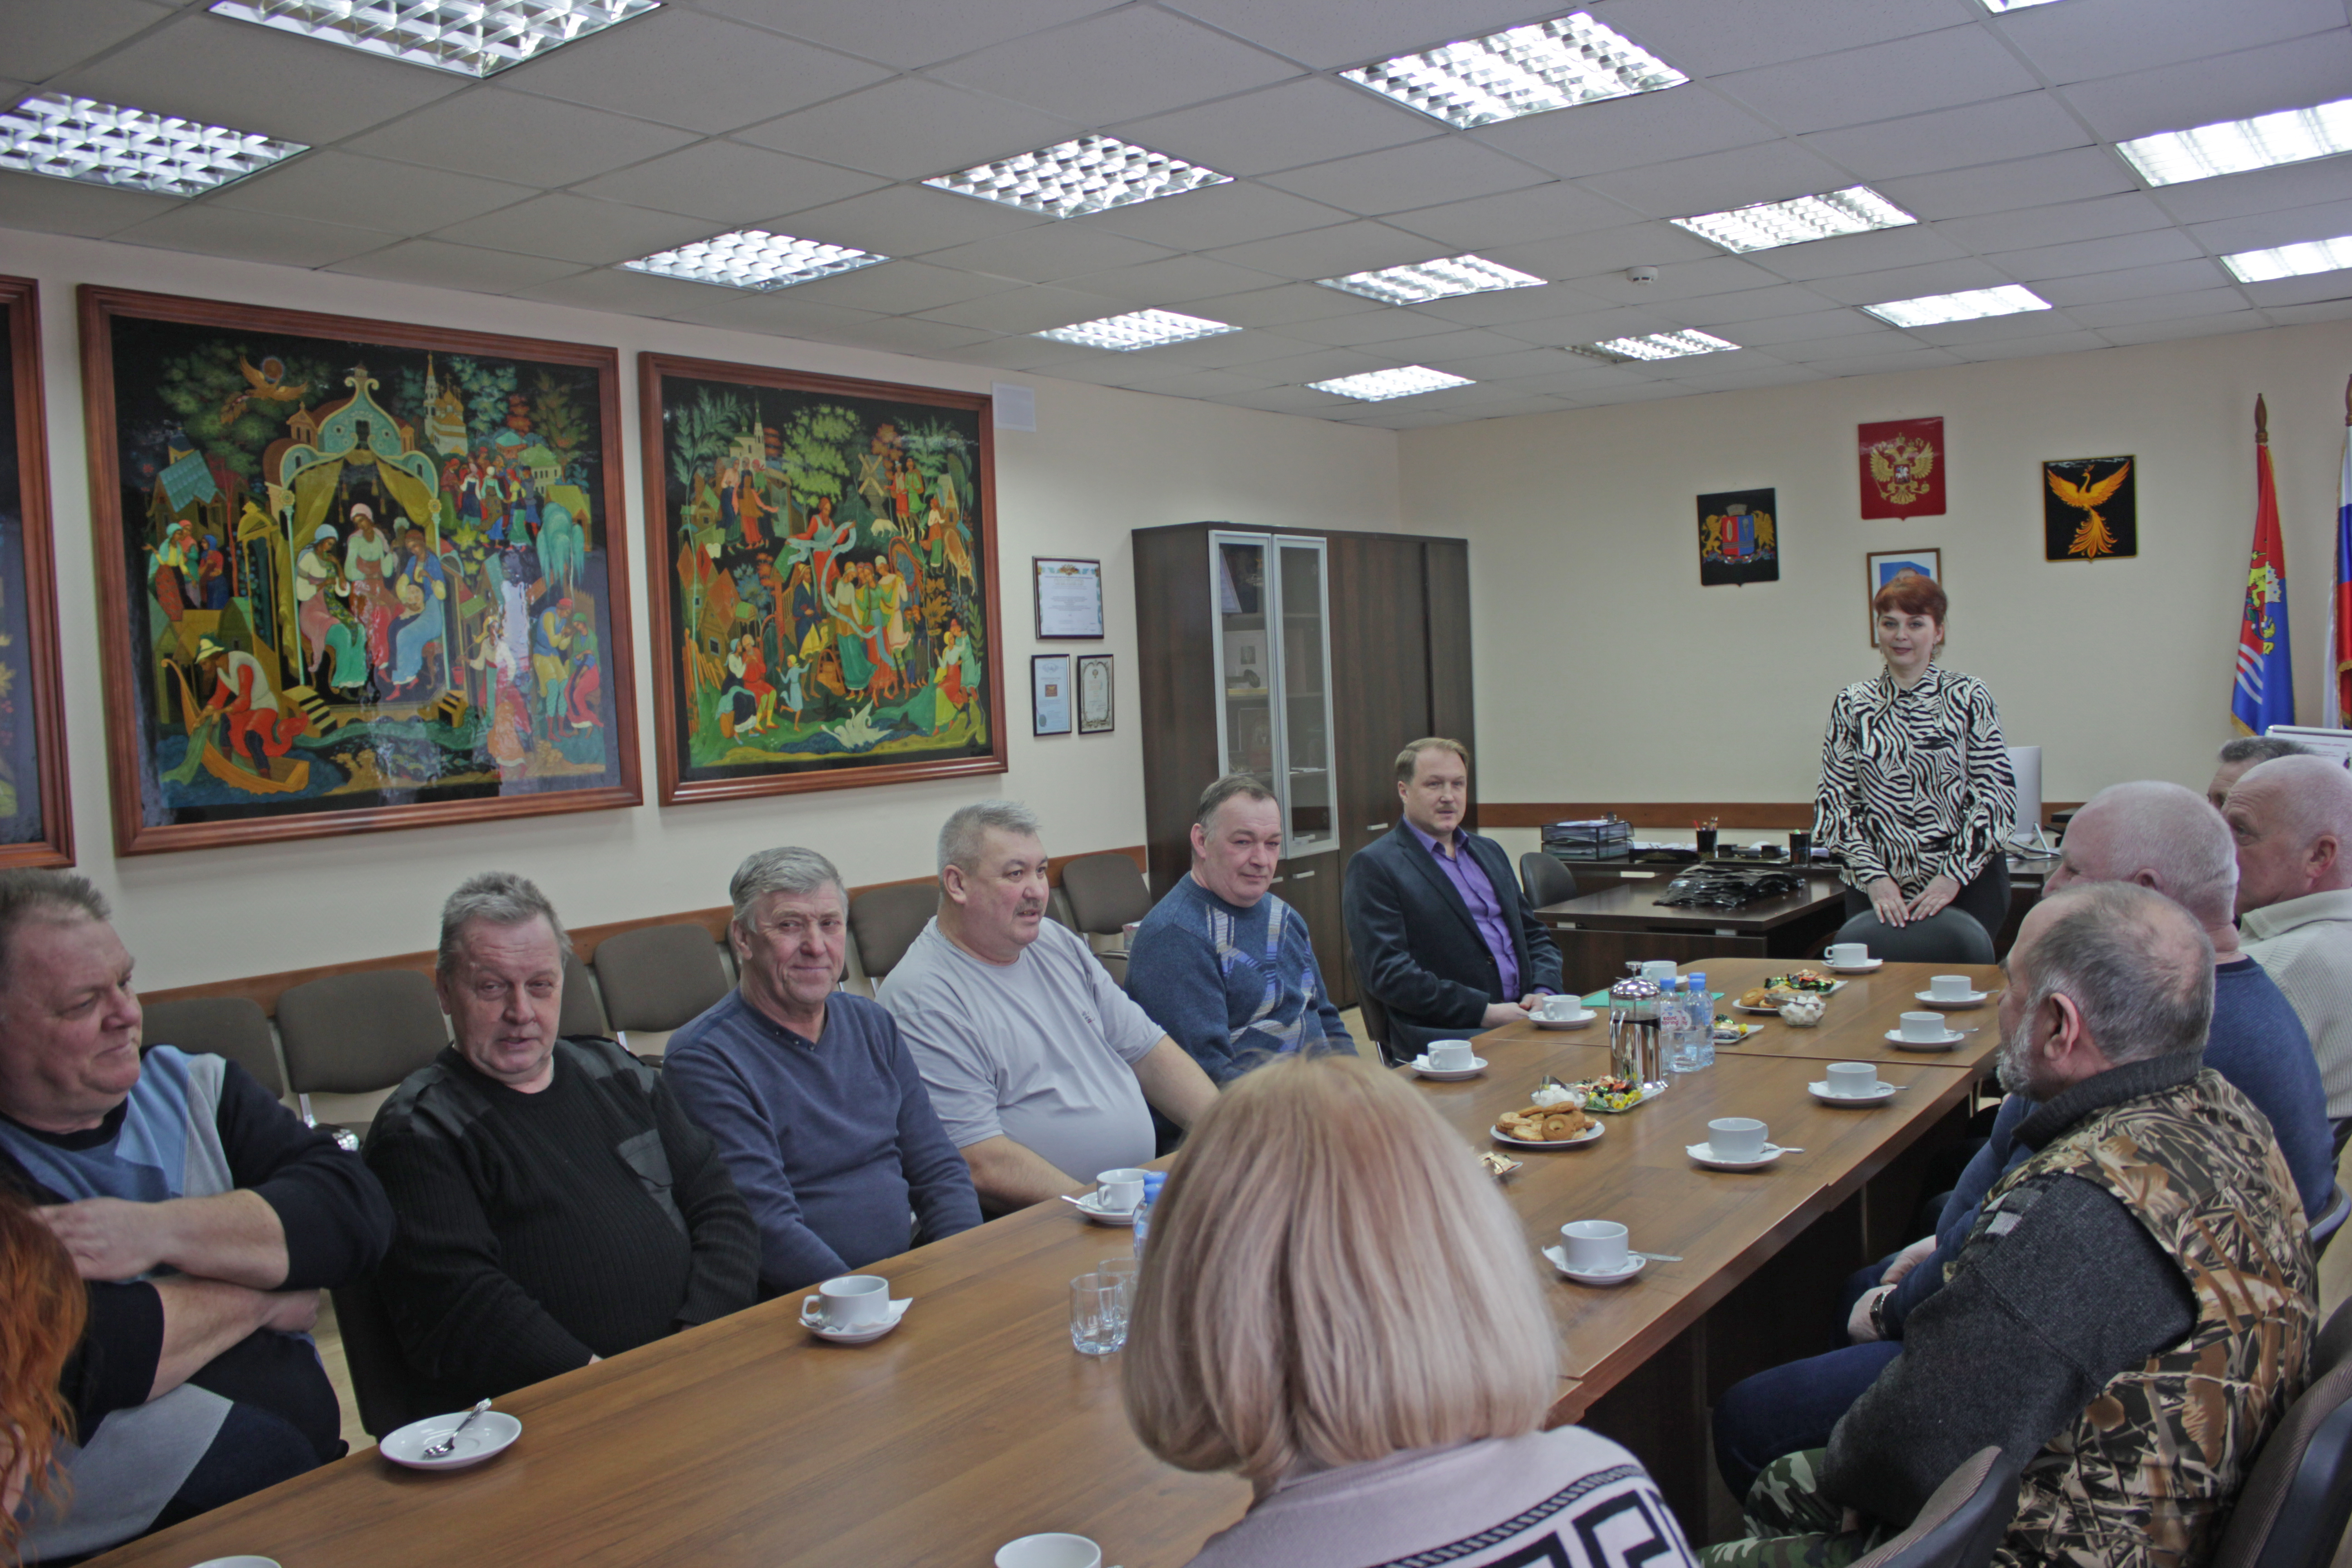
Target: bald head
x=2158, y=835
x=2292, y=818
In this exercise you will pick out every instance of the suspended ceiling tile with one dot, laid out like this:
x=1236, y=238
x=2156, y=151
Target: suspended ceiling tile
x=1290, y=400
x=1519, y=405
x=1192, y=381
x=1749, y=309
x=1885, y=342
x=1508, y=309
x=1374, y=183
x=2076, y=174
x=1678, y=281
x=2235, y=86
x=1605, y=250
x=1130, y=62
x=1378, y=330
x=40, y=38
x=2193, y=327
x=2096, y=254
x=2302, y=315
x=676, y=67
x=2022, y=348
x=1459, y=342
x=574, y=228
x=1281, y=305
x=1752, y=376
x=1774, y=171
x=1402, y=417
x=1518, y=364
x=1810, y=327
x=727, y=184
x=1856, y=87
x=1176, y=283
x=1852, y=253
x=1911, y=283
x=442, y=265
x=1229, y=350
x=1633, y=391
x=1991, y=329
x=2132, y=283
x=514, y=136
x=1048, y=253
x=2158, y=308
x=1711, y=40
x=913, y=335
x=2264, y=230
x=256, y=236
x=908, y=33
x=908, y=220
x=1359, y=247
x=1595, y=327
x=2087, y=39
x=910, y=127
x=1328, y=365
x=901, y=288
x=334, y=186
x=1513, y=217
x=629, y=293
x=1030, y=308
x=1629, y=132
x=2336, y=285
x=68, y=206
x=2131, y=211
x=1020, y=353
x=737, y=309
x=2021, y=125
x=2316, y=183
x=1888, y=364
x=1328, y=35
x=1214, y=216
x=1307, y=120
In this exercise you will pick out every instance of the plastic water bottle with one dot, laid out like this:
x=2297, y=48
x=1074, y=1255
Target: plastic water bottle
x=1674, y=1026
x=1152, y=1183
x=1703, y=1014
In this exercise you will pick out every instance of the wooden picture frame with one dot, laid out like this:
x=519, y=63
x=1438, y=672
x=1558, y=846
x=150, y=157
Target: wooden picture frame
x=1069, y=598
x=1881, y=567
x=1098, y=695
x=823, y=600
x=1052, y=705
x=308, y=672
x=35, y=804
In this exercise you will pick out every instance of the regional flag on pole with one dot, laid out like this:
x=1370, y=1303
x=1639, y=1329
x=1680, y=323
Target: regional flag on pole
x=2264, y=693
x=2337, y=691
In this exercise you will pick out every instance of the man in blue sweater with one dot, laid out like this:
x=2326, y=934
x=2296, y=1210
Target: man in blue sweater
x=814, y=1101
x=1220, y=964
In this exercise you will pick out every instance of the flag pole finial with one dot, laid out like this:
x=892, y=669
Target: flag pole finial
x=2262, y=420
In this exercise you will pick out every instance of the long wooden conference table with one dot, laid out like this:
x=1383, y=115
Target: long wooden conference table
x=750, y=1441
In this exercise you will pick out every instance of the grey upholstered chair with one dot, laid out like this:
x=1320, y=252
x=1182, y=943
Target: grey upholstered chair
x=2291, y=1511
x=655, y=979
x=1544, y=879
x=1962, y=1521
x=887, y=921
x=231, y=1026
x=351, y=1038
x=1950, y=935
x=583, y=1010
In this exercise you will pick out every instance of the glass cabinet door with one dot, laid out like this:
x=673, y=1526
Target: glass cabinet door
x=1308, y=798
x=1273, y=647
x=1245, y=658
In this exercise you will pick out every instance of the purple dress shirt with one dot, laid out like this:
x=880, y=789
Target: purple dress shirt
x=1469, y=879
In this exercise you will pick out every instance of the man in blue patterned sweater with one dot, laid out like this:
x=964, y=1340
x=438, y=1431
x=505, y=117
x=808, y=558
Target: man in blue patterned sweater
x=1220, y=964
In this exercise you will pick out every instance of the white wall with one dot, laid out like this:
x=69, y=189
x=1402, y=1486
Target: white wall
x=1590, y=624
x=1102, y=462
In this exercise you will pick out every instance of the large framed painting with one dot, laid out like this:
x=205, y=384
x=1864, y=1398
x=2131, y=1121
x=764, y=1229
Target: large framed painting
x=825, y=598
x=35, y=820
x=352, y=575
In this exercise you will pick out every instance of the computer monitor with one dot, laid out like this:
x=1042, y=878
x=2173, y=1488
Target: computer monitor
x=2025, y=766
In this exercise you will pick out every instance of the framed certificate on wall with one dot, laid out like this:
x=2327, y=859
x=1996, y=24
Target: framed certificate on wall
x=1049, y=683
x=1070, y=597
x=1095, y=704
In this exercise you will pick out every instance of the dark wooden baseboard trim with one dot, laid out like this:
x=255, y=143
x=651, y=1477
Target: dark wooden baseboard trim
x=1729, y=814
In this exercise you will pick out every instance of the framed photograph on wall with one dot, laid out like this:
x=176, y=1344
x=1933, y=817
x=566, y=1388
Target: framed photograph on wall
x=1070, y=597
x=1097, y=695
x=352, y=574
x=1883, y=566
x=823, y=601
x=36, y=816
x=1049, y=687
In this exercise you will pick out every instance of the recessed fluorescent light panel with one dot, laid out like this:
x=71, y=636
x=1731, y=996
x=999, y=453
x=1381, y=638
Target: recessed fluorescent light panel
x=1091, y=175
x=472, y=38
x=2290, y=260
x=2290, y=136
x=1532, y=70
x=1769, y=224
x=1970, y=305
x=1664, y=345
x=108, y=144
x=1379, y=385
x=754, y=258
x=2012, y=4
x=1138, y=330
x=1425, y=280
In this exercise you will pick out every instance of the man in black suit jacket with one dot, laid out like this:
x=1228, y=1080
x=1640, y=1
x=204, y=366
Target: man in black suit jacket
x=1442, y=938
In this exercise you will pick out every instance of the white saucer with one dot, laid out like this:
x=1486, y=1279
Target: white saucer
x=1821, y=1092
x=1559, y=1260
x=1951, y=1038
x=1705, y=1154
x=853, y=1336
x=1576, y=1022
x=1091, y=1206
x=1973, y=999
x=1499, y=1136
x=489, y=1436
x=1449, y=1075
x=1865, y=967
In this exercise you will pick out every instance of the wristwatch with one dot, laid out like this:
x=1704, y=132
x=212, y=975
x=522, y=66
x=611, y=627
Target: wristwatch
x=1878, y=1311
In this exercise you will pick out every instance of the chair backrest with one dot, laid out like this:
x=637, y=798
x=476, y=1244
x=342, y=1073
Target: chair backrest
x=660, y=977
x=1376, y=1023
x=355, y=1034
x=1544, y=879
x=1962, y=1521
x=381, y=1382
x=584, y=1011
x=1106, y=892
x=1057, y=909
x=2331, y=1220
x=887, y=921
x=231, y=1026
x=2294, y=1503
x=1950, y=935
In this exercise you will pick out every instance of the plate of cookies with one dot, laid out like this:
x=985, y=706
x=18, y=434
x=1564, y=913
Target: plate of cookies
x=1546, y=1127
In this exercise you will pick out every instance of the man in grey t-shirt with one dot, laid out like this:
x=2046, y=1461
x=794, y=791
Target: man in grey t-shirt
x=1039, y=1067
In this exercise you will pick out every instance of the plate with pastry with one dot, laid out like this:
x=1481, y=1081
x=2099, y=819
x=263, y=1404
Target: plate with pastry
x=1546, y=1127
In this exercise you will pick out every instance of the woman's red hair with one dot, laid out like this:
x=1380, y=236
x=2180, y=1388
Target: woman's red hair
x=1914, y=595
x=42, y=1305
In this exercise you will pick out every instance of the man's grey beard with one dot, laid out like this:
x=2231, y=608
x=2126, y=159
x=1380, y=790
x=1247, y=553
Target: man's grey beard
x=2016, y=1060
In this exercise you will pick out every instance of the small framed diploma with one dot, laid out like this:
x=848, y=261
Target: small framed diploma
x=1049, y=685
x=1095, y=709
x=1070, y=597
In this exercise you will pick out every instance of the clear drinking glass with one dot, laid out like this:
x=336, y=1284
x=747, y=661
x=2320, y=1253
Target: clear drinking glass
x=1097, y=1326
x=1122, y=1272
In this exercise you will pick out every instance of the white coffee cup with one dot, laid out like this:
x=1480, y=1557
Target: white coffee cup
x=1660, y=969
x=1950, y=988
x=1852, y=1080
x=1558, y=1008
x=1735, y=1137
x=1049, y=1551
x=1451, y=1056
x=1848, y=952
x=854, y=1301
x=1923, y=1026
x=1117, y=1192
x=1593, y=1245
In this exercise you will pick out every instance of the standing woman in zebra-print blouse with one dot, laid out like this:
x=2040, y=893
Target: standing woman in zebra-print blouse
x=1916, y=796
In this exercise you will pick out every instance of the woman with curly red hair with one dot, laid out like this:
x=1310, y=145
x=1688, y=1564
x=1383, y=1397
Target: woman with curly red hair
x=41, y=1309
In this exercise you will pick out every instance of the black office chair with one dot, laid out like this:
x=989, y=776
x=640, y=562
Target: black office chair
x=1376, y=1025
x=1962, y=1521
x=2291, y=1511
x=2331, y=1220
x=381, y=1381
x=1544, y=879
x=1949, y=936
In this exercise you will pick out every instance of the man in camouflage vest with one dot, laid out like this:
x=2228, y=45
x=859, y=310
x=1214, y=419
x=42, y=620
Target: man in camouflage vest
x=2134, y=1311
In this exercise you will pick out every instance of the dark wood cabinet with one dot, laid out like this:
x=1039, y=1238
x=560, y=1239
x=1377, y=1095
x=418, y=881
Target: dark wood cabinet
x=1399, y=668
